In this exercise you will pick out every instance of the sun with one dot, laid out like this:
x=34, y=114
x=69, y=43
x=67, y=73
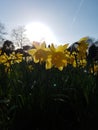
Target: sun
x=39, y=32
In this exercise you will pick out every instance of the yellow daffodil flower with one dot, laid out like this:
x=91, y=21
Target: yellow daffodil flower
x=11, y=59
x=82, y=48
x=57, y=59
x=40, y=53
x=3, y=58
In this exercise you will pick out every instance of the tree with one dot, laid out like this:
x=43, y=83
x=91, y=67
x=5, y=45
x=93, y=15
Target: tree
x=2, y=32
x=19, y=36
x=8, y=47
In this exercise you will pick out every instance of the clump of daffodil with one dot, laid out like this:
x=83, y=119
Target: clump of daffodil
x=81, y=54
x=11, y=59
x=83, y=62
x=16, y=57
x=4, y=59
x=39, y=53
x=82, y=48
x=70, y=56
x=57, y=58
x=94, y=69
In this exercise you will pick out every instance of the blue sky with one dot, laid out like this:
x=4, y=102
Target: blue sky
x=69, y=20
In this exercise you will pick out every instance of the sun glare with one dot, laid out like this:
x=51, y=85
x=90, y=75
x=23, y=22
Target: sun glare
x=39, y=32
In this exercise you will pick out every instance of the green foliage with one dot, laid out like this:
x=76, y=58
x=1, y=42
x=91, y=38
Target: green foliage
x=56, y=98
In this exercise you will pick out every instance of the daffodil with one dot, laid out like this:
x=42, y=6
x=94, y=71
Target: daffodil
x=57, y=58
x=95, y=69
x=83, y=62
x=70, y=57
x=11, y=59
x=83, y=39
x=40, y=53
x=3, y=58
x=16, y=57
x=82, y=48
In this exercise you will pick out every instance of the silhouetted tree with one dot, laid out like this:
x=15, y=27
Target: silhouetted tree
x=93, y=52
x=73, y=47
x=93, y=49
x=8, y=47
x=19, y=36
x=2, y=32
x=96, y=43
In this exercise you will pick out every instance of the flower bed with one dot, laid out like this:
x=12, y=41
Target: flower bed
x=52, y=88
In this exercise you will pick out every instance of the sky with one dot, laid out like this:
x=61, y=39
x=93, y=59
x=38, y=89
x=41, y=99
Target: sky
x=69, y=20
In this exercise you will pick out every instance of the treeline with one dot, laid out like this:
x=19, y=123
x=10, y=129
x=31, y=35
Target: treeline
x=17, y=36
